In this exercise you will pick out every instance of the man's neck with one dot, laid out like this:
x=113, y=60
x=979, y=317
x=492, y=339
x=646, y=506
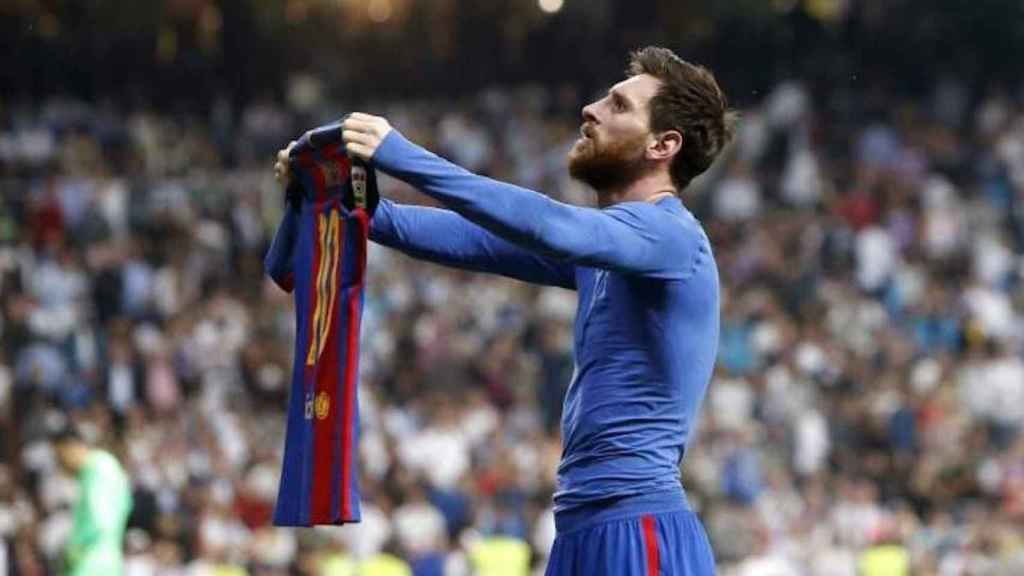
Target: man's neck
x=647, y=188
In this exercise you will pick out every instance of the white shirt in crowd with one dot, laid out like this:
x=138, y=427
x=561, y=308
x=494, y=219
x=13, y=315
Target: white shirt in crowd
x=441, y=454
x=420, y=528
x=876, y=258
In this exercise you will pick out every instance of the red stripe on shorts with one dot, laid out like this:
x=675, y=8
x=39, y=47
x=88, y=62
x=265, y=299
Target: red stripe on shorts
x=651, y=544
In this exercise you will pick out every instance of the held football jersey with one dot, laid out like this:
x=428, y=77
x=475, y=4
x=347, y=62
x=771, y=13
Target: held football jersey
x=319, y=254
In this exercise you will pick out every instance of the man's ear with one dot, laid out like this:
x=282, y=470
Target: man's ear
x=665, y=145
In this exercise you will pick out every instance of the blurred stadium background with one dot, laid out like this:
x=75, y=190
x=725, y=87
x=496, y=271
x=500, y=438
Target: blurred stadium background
x=868, y=224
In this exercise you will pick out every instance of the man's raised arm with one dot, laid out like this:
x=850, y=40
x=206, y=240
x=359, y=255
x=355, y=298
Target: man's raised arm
x=634, y=237
x=440, y=236
x=444, y=237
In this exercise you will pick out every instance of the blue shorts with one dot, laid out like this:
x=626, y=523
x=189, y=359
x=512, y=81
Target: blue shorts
x=648, y=535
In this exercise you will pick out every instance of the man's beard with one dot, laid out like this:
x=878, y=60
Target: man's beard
x=607, y=166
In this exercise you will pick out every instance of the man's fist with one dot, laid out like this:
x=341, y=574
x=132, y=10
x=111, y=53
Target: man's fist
x=281, y=171
x=363, y=133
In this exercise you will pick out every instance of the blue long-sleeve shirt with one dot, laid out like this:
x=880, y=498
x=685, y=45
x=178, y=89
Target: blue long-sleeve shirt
x=647, y=320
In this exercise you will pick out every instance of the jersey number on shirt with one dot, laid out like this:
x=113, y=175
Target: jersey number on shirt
x=326, y=282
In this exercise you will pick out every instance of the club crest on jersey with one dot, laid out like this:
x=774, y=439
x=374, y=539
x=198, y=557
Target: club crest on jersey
x=359, y=186
x=323, y=406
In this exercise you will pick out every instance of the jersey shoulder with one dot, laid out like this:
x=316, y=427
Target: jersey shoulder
x=673, y=227
x=104, y=466
x=668, y=217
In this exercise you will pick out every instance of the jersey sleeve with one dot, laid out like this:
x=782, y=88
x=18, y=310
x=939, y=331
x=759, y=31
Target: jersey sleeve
x=633, y=237
x=445, y=237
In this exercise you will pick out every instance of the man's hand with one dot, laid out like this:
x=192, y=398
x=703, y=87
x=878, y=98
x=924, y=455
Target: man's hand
x=281, y=170
x=363, y=133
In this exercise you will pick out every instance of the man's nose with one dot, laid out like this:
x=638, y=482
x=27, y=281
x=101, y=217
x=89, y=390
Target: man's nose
x=588, y=113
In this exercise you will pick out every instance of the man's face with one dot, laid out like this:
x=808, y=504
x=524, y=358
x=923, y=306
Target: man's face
x=63, y=454
x=68, y=456
x=611, y=150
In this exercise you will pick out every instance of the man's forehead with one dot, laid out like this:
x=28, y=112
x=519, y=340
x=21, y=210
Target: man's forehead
x=639, y=88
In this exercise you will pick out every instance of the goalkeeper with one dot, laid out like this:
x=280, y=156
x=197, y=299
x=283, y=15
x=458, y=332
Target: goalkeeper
x=95, y=546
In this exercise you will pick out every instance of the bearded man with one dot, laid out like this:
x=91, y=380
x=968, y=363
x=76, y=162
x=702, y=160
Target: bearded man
x=646, y=330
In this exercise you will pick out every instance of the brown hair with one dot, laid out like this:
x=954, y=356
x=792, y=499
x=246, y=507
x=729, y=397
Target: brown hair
x=689, y=101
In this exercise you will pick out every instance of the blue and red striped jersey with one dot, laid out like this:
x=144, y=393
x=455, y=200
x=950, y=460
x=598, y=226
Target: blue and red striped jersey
x=319, y=254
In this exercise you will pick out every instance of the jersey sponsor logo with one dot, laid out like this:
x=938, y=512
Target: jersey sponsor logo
x=326, y=283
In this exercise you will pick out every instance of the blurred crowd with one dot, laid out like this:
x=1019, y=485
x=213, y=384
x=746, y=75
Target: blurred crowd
x=866, y=410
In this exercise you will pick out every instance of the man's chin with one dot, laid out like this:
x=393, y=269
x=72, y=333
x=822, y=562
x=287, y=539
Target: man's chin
x=601, y=173
x=581, y=153
x=582, y=168
x=579, y=148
